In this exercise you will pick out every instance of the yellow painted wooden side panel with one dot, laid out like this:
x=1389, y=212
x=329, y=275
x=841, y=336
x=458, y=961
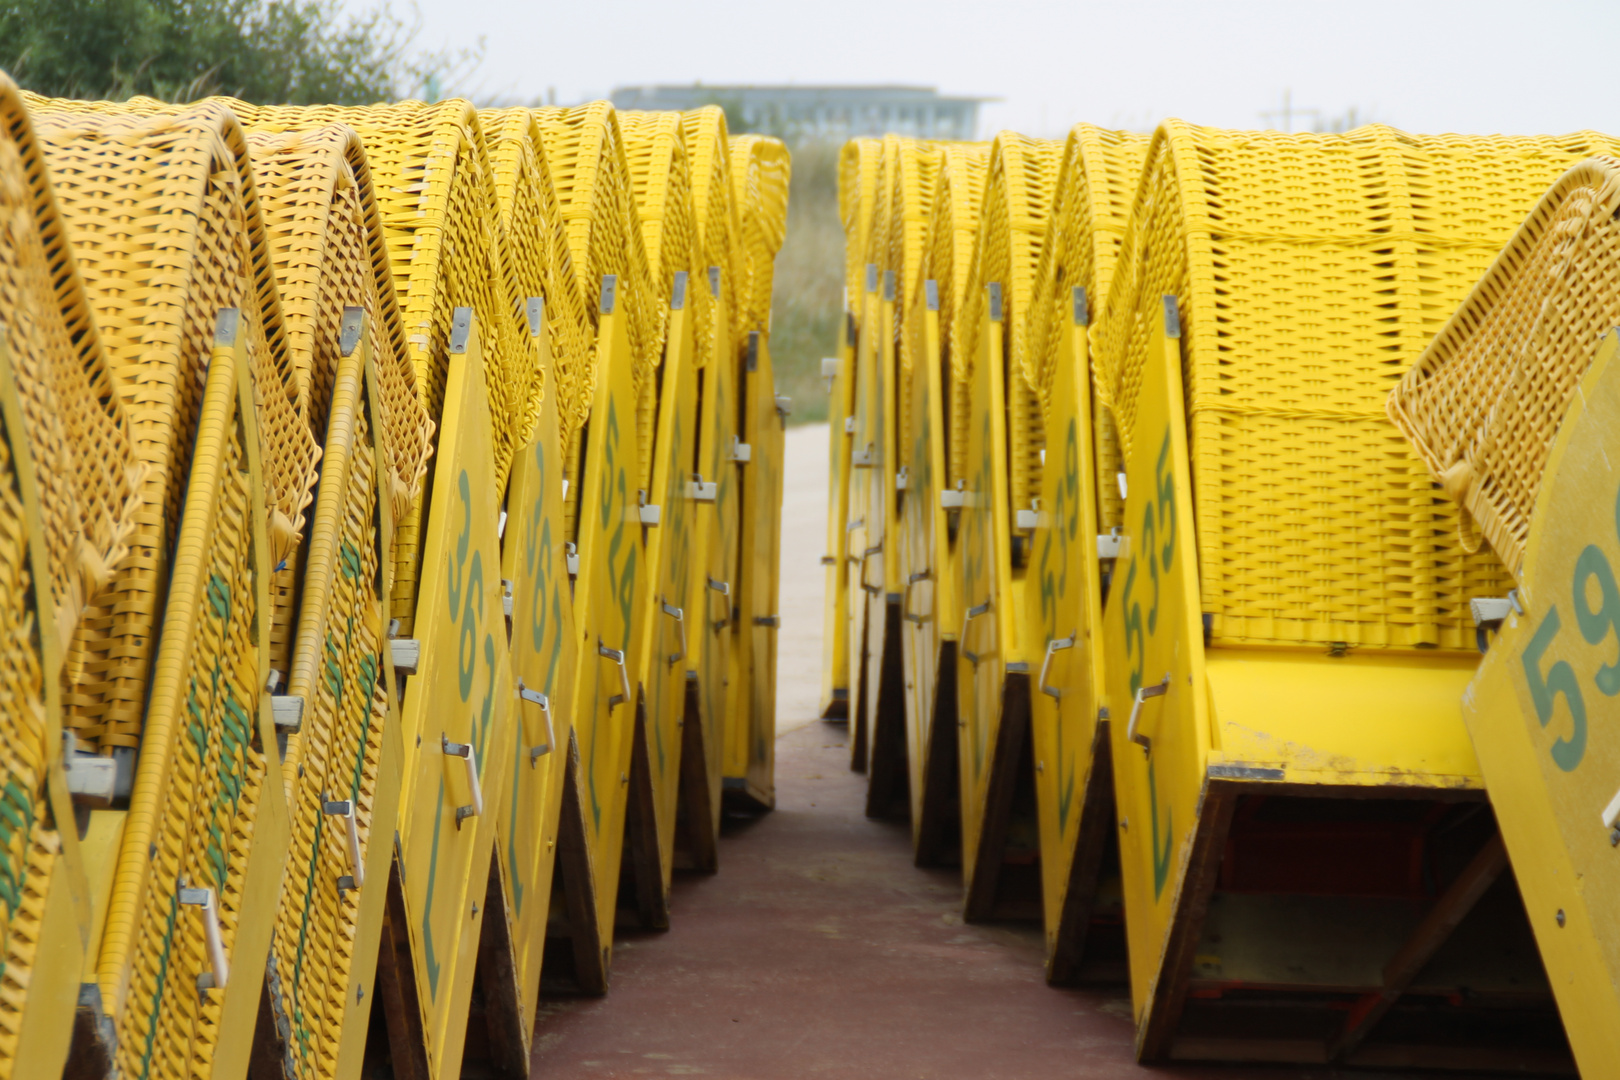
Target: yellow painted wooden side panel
x=865, y=445
x=609, y=602
x=927, y=614
x=670, y=550
x=1541, y=714
x=347, y=748
x=1369, y=718
x=1153, y=632
x=710, y=634
x=461, y=694
x=835, y=601
x=983, y=543
x=882, y=571
x=740, y=688
x=544, y=659
x=1065, y=621
x=761, y=614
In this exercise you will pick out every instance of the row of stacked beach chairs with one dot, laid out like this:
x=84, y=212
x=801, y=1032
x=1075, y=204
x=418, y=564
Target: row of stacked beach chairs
x=390, y=500
x=1144, y=609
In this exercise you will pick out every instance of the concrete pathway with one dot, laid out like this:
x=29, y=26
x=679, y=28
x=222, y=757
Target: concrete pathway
x=804, y=542
x=819, y=950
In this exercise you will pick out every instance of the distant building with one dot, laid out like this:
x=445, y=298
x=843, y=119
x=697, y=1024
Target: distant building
x=835, y=112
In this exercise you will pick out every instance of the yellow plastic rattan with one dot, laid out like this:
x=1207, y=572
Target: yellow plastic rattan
x=436, y=197
x=911, y=209
x=32, y=857
x=330, y=254
x=585, y=152
x=537, y=241
x=67, y=486
x=204, y=778
x=77, y=427
x=166, y=226
x=952, y=229
x=1484, y=402
x=1019, y=183
x=1307, y=268
x=327, y=248
x=760, y=171
x=661, y=183
x=330, y=251
x=714, y=219
x=1091, y=205
x=858, y=165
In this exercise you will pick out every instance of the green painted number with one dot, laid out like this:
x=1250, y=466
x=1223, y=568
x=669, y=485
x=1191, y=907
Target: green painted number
x=1560, y=679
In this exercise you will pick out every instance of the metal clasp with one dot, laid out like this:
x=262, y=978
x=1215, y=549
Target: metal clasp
x=680, y=621
x=967, y=617
x=1142, y=694
x=617, y=656
x=469, y=757
x=1054, y=646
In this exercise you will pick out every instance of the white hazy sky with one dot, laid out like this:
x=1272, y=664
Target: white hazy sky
x=1424, y=65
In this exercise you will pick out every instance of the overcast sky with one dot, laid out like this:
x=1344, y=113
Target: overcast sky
x=1425, y=65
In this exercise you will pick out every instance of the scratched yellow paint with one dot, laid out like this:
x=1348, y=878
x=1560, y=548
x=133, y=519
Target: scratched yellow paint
x=929, y=615
x=987, y=640
x=667, y=630
x=544, y=658
x=1064, y=608
x=461, y=694
x=608, y=610
x=1537, y=712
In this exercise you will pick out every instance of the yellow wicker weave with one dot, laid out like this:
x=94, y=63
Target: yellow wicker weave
x=1484, y=402
x=337, y=754
x=437, y=202
x=330, y=252
x=714, y=218
x=911, y=209
x=77, y=427
x=1019, y=183
x=661, y=173
x=30, y=848
x=1090, y=207
x=661, y=183
x=166, y=226
x=327, y=247
x=1306, y=268
x=952, y=229
x=585, y=153
x=203, y=782
x=537, y=243
x=858, y=165
x=67, y=486
x=760, y=171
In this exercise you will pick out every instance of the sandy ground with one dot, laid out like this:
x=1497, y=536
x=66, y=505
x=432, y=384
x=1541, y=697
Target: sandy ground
x=804, y=541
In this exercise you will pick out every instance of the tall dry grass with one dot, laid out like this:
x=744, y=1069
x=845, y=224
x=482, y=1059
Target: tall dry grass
x=808, y=295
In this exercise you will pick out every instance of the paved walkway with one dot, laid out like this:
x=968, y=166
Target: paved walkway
x=819, y=950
